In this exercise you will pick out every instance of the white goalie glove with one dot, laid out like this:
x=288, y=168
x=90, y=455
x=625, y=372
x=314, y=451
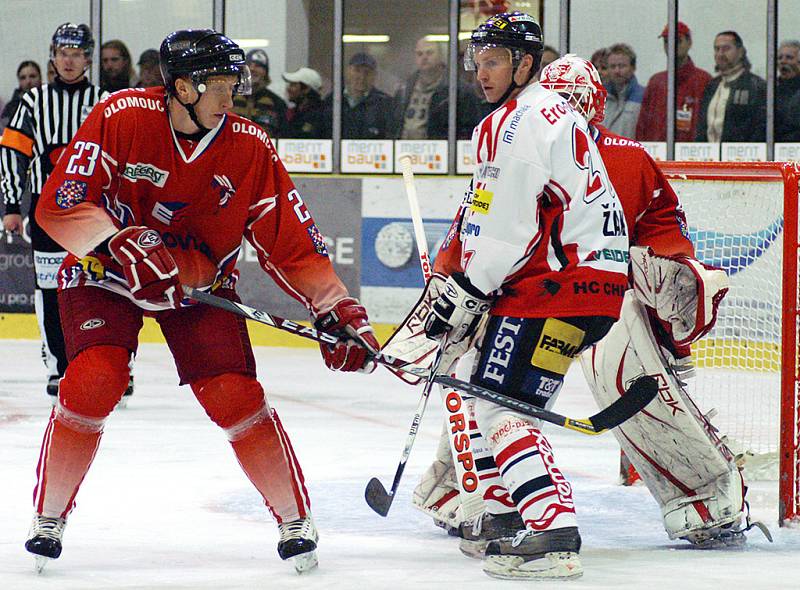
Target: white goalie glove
x=681, y=290
x=409, y=342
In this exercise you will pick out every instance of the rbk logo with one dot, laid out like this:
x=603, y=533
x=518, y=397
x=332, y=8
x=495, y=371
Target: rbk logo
x=225, y=187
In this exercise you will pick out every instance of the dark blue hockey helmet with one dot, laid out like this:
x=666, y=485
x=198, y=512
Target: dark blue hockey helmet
x=200, y=53
x=72, y=35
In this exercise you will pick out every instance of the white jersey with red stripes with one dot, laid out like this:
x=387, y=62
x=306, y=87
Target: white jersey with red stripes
x=542, y=223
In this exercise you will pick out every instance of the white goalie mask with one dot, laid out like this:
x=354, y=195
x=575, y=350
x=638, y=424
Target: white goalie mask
x=577, y=80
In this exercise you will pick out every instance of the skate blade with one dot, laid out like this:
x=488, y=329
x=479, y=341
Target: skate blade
x=554, y=566
x=473, y=549
x=305, y=562
x=727, y=542
x=40, y=563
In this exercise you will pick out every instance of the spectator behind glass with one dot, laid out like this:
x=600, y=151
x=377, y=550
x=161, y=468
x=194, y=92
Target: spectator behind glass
x=306, y=120
x=692, y=81
x=549, y=55
x=624, y=91
x=600, y=62
x=149, y=69
x=29, y=75
x=422, y=102
x=737, y=109
x=787, y=92
x=366, y=111
x=116, y=68
x=261, y=106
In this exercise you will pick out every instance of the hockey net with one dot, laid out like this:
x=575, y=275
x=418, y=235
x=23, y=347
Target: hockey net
x=743, y=218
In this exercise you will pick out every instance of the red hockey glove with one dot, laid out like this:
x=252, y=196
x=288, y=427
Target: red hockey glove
x=148, y=266
x=348, y=320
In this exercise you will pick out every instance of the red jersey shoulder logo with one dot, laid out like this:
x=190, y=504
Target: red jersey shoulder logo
x=225, y=187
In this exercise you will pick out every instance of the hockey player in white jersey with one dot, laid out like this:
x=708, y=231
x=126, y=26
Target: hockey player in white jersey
x=691, y=473
x=540, y=203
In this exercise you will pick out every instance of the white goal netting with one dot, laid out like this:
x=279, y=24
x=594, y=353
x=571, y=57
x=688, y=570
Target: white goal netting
x=737, y=225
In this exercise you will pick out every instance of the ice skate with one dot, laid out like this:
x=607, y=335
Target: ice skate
x=535, y=556
x=299, y=543
x=731, y=535
x=476, y=534
x=44, y=540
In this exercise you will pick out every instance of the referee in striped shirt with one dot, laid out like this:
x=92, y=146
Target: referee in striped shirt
x=45, y=122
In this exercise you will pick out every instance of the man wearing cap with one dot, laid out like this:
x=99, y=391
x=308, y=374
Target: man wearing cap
x=366, y=111
x=691, y=82
x=308, y=119
x=149, y=71
x=262, y=106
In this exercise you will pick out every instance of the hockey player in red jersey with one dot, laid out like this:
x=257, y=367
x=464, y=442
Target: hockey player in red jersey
x=156, y=191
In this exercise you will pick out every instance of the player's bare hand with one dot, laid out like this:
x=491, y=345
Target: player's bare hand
x=348, y=320
x=12, y=223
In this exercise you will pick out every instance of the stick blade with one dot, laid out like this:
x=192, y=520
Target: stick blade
x=642, y=392
x=377, y=497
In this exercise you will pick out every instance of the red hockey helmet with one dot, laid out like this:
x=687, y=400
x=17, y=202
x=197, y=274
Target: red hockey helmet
x=577, y=80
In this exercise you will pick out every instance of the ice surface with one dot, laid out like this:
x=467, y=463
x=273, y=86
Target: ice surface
x=166, y=506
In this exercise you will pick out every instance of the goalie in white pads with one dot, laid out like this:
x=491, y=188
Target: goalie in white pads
x=674, y=302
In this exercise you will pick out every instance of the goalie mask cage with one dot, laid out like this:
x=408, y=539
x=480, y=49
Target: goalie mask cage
x=742, y=217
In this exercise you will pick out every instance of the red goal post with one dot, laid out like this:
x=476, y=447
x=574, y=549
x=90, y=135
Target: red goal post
x=743, y=216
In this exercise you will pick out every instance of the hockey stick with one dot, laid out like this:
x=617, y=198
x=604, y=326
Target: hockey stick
x=471, y=503
x=638, y=395
x=375, y=494
x=416, y=218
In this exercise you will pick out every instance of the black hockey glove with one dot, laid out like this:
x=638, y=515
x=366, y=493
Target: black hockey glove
x=458, y=309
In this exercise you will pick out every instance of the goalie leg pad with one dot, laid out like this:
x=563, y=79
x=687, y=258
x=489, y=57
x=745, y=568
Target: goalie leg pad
x=709, y=514
x=437, y=493
x=689, y=471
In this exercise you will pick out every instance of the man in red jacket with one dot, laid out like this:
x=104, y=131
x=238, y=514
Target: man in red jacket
x=652, y=123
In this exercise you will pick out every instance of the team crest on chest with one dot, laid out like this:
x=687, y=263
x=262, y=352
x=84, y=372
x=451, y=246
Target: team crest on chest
x=225, y=187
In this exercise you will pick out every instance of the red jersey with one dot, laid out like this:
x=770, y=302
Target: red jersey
x=652, y=210
x=126, y=166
